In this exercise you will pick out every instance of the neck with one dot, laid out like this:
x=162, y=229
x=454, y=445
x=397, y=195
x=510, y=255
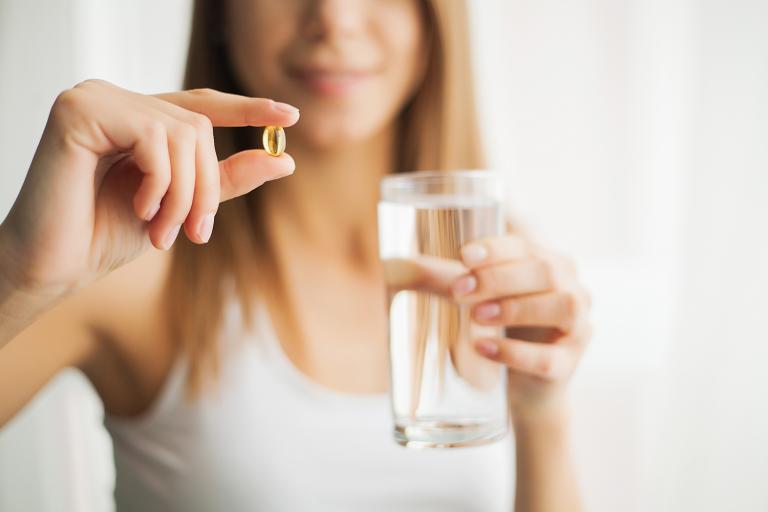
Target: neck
x=328, y=206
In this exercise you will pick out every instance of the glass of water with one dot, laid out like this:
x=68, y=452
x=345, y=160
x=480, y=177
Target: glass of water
x=444, y=394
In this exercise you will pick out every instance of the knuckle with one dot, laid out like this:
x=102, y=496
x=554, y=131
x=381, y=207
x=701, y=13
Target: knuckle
x=586, y=332
x=77, y=98
x=570, y=304
x=548, y=272
x=184, y=133
x=511, y=358
x=491, y=245
x=488, y=280
x=154, y=130
x=512, y=310
x=69, y=102
x=202, y=124
x=203, y=92
x=249, y=117
x=582, y=334
x=90, y=83
x=545, y=366
x=227, y=176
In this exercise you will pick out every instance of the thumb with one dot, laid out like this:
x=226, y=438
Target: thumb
x=247, y=170
x=424, y=273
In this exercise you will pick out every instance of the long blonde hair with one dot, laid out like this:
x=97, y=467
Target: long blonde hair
x=438, y=130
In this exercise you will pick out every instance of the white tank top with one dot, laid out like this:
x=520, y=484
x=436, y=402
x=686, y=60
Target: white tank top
x=267, y=438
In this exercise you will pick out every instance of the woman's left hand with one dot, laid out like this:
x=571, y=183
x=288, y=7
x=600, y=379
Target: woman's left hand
x=536, y=296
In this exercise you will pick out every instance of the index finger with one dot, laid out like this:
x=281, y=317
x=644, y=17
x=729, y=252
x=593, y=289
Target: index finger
x=229, y=110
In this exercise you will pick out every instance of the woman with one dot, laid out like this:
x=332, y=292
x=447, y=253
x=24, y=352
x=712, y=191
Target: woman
x=245, y=369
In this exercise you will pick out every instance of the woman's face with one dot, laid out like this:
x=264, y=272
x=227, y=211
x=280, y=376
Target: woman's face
x=349, y=65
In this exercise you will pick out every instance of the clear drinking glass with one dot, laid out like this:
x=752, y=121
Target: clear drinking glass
x=444, y=394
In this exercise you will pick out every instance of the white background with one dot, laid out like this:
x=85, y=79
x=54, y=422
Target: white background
x=635, y=137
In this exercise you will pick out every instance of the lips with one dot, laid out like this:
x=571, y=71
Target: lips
x=332, y=81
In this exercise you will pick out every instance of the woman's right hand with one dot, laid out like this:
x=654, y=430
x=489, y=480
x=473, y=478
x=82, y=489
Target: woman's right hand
x=116, y=171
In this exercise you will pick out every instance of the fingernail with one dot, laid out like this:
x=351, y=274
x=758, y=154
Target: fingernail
x=152, y=212
x=474, y=254
x=487, y=311
x=487, y=348
x=284, y=107
x=465, y=285
x=170, y=237
x=206, y=228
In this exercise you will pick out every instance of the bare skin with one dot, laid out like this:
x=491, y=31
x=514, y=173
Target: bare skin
x=90, y=297
x=63, y=235
x=110, y=330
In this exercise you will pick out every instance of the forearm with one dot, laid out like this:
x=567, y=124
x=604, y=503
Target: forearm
x=20, y=302
x=546, y=478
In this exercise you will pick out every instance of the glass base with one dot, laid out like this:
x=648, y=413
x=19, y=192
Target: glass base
x=448, y=434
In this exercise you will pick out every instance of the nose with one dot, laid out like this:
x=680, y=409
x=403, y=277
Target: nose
x=333, y=18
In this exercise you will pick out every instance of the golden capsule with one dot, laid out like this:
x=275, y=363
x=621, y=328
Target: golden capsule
x=273, y=140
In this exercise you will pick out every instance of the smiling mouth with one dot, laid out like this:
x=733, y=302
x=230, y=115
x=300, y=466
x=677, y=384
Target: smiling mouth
x=332, y=82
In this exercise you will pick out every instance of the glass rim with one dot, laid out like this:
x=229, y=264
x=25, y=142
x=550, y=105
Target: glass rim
x=430, y=176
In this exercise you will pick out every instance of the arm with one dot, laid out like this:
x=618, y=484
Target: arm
x=535, y=295
x=37, y=349
x=114, y=173
x=111, y=331
x=546, y=478
x=19, y=304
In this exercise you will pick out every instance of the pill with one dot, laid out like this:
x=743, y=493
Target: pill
x=273, y=140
